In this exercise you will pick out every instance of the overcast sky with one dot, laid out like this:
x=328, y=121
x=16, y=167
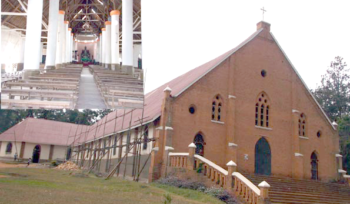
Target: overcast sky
x=179, y=35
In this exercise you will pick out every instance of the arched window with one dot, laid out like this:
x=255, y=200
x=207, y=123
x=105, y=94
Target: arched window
x=199, y=142
x=9, y=148
x=262, y=111
x=216, y=108
x=302, y=125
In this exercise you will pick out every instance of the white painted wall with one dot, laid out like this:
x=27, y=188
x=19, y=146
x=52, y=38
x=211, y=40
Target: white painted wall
x=44, y=154
x=59, y=152
x=3, y=149
x=10, y=47
x=136, y=53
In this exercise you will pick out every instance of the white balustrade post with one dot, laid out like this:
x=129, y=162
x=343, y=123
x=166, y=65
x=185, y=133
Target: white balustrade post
x=190, y=159
x=231, y=167
x=264, y=193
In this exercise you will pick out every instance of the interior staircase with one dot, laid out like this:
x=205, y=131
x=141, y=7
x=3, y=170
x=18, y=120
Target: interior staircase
x=293, y=191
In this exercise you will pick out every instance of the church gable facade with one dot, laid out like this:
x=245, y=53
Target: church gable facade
x=254, y=109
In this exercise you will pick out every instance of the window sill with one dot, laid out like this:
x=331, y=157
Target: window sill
x=304, y=138
x=218, y=122
x=263, y=128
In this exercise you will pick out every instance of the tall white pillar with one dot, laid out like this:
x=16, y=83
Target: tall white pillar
x=68, y=44
x=100, y=44
x=127, y=46
x=76, y=48
x=103, y=46
x=72, y=47
x=64, y=41
x=52, y=35
x=41, y=52
x=33, y=37
x=60, y=39
x=21, y=55
x=115, y=39
x=95, y=51
x=108, y=45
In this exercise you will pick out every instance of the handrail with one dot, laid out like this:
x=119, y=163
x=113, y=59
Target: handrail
x=229, y=179
x=178, y=154
x=212, y=164
x=246, y=182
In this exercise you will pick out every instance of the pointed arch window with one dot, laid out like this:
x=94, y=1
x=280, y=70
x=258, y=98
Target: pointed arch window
x=262, y=111
x=302, y=125
x=216, y=113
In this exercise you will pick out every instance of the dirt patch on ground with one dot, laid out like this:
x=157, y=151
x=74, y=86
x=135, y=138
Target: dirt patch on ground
x=3, y=176
x=5, y=165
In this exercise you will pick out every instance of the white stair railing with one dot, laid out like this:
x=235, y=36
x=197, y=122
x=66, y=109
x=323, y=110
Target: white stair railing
x=230, y=179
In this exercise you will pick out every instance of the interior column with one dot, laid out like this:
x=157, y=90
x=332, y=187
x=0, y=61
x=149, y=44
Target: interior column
x=72, y=48
x=64, y=42
x=68, y=44
x=33, y=38
x=127, y=46
x=41, y=53
x=52, y=35
x=108, y=45
x=59, y=39
x=100, y=49
x=21, y=55
x=103, y=46
x=115, y=39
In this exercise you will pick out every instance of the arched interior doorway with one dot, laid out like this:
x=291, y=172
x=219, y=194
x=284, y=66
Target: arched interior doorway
x=199, y=142
x=69, y=152
x=314, y=166
x=262, y=157
x=36, y=154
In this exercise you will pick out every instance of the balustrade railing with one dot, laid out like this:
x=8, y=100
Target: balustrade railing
x=230, y=179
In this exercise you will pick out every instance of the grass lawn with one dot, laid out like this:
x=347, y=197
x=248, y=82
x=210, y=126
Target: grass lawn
x=32, y=185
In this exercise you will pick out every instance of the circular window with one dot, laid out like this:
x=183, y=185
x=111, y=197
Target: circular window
x=192, y=109
x=319, y=134
x=263, y=73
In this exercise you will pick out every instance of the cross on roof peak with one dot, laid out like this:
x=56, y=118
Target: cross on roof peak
x=263, y=12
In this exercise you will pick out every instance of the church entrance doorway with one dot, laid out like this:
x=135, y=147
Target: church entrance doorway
x=199, y=142
x=262, y=157
x=314, y=166
x=36, y=154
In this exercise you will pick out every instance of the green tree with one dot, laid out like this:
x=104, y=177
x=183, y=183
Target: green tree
x=334, y=96
x=334, y=92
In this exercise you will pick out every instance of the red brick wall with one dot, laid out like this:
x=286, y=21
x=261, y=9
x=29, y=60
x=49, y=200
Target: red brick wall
x=247, y=63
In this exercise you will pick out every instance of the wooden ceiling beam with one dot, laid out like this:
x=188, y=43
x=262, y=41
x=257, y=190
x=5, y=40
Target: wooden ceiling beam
x=15, y=8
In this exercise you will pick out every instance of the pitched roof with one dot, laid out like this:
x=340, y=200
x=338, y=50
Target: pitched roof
x=39, y=131
x=153, y=100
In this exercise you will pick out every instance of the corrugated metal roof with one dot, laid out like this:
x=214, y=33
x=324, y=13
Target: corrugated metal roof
x=40, y=131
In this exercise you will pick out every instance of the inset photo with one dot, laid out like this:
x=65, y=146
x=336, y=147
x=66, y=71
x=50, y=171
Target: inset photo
x=81, y=54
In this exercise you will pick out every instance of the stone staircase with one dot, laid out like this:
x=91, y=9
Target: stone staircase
x=288, y=190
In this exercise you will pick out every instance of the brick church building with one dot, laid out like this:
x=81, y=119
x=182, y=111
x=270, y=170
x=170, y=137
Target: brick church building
x=250, y=106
